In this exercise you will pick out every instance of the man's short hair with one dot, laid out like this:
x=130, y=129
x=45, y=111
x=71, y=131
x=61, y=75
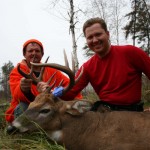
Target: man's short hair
x=92, y=21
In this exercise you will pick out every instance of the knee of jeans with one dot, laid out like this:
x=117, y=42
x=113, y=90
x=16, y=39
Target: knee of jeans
x=21, y=107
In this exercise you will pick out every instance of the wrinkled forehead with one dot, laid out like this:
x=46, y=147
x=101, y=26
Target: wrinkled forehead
x=33, y=44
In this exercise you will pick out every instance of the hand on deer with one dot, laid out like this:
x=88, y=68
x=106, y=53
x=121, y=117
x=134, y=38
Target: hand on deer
x=41, y=86
x=25, y=84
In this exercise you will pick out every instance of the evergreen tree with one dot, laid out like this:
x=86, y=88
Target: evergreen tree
x=139, y=24
x=6, y=69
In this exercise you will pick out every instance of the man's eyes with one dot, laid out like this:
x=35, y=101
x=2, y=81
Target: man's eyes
x=37, y=51
x=96, y=35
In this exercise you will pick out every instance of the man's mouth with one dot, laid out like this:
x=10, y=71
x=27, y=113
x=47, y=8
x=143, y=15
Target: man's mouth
x=98, y=45
x=33, y=59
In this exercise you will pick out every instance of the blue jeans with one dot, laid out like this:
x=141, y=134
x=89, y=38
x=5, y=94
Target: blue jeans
x=21, y=107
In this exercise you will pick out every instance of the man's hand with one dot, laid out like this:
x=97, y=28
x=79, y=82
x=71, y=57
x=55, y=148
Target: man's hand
x=25, y=84
x=41, y=86
x=57, y=92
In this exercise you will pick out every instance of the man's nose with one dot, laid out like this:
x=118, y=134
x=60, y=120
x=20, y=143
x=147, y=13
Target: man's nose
x=33, y=52
x=95, y=39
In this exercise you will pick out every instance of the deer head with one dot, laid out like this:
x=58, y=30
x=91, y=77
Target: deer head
x=46, y=113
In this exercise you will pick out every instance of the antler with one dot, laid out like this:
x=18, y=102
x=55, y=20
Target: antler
x=30, y=75
x=64, y=69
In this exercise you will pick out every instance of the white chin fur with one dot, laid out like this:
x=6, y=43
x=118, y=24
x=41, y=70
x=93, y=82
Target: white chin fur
x=56, y=135
x=18, y=126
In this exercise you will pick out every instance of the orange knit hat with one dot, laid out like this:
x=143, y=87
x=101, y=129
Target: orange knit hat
x=34, y=41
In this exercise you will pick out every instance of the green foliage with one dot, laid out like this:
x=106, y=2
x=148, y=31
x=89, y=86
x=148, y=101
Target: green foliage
x=145, y=89
x=26, y=141
x=87, y=52
x=139, y=24
x=6, y=69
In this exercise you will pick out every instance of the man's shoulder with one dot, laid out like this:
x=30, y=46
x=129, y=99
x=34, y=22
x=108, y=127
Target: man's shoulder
x=23, y=66
x=129, y=51
x=125, y=48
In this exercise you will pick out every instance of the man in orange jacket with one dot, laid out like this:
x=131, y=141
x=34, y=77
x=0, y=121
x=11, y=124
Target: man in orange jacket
x=22, y=90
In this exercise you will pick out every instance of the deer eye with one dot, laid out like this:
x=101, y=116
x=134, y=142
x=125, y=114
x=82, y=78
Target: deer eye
x=44, y=111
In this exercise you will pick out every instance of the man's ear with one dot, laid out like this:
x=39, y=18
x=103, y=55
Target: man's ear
x=79, y=107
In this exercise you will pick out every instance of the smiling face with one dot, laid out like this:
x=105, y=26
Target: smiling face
x=97, y=39
x=33, y=50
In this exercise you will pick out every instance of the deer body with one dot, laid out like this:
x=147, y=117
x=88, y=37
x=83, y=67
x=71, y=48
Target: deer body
x=70, y=123
x=106, y=131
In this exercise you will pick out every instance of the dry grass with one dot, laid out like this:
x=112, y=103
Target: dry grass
x=38, y=140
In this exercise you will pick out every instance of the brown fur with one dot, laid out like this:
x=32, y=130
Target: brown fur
x=82, y=129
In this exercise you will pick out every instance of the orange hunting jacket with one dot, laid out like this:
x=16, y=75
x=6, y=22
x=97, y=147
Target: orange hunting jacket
x=18, y=95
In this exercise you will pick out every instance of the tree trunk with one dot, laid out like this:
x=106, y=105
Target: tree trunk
x=72, y=29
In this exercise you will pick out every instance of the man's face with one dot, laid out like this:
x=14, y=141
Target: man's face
x=97, y=39
x=33, y=50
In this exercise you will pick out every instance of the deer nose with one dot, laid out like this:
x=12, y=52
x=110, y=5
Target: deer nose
x=11, y=129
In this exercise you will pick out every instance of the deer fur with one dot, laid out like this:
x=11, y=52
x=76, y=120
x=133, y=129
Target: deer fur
x=70, y=123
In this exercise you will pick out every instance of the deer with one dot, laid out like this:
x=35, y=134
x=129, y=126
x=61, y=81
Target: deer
x=73, y=124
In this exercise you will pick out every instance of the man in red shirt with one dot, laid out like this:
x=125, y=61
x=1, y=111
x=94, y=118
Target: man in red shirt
x=114, y=71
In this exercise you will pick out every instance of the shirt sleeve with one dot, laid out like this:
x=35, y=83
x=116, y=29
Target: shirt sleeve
x=15, y=89
x=140, y=60
x=74, y=93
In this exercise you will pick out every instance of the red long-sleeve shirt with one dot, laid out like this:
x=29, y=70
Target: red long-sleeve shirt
x=116, y=78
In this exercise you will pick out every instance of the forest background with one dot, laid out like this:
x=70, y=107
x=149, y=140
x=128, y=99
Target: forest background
x=128, y=22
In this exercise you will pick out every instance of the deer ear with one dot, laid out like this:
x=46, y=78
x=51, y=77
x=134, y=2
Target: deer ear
x=79, y=107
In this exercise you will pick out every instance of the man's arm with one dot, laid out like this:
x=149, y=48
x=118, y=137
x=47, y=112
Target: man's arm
x=25, y=85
